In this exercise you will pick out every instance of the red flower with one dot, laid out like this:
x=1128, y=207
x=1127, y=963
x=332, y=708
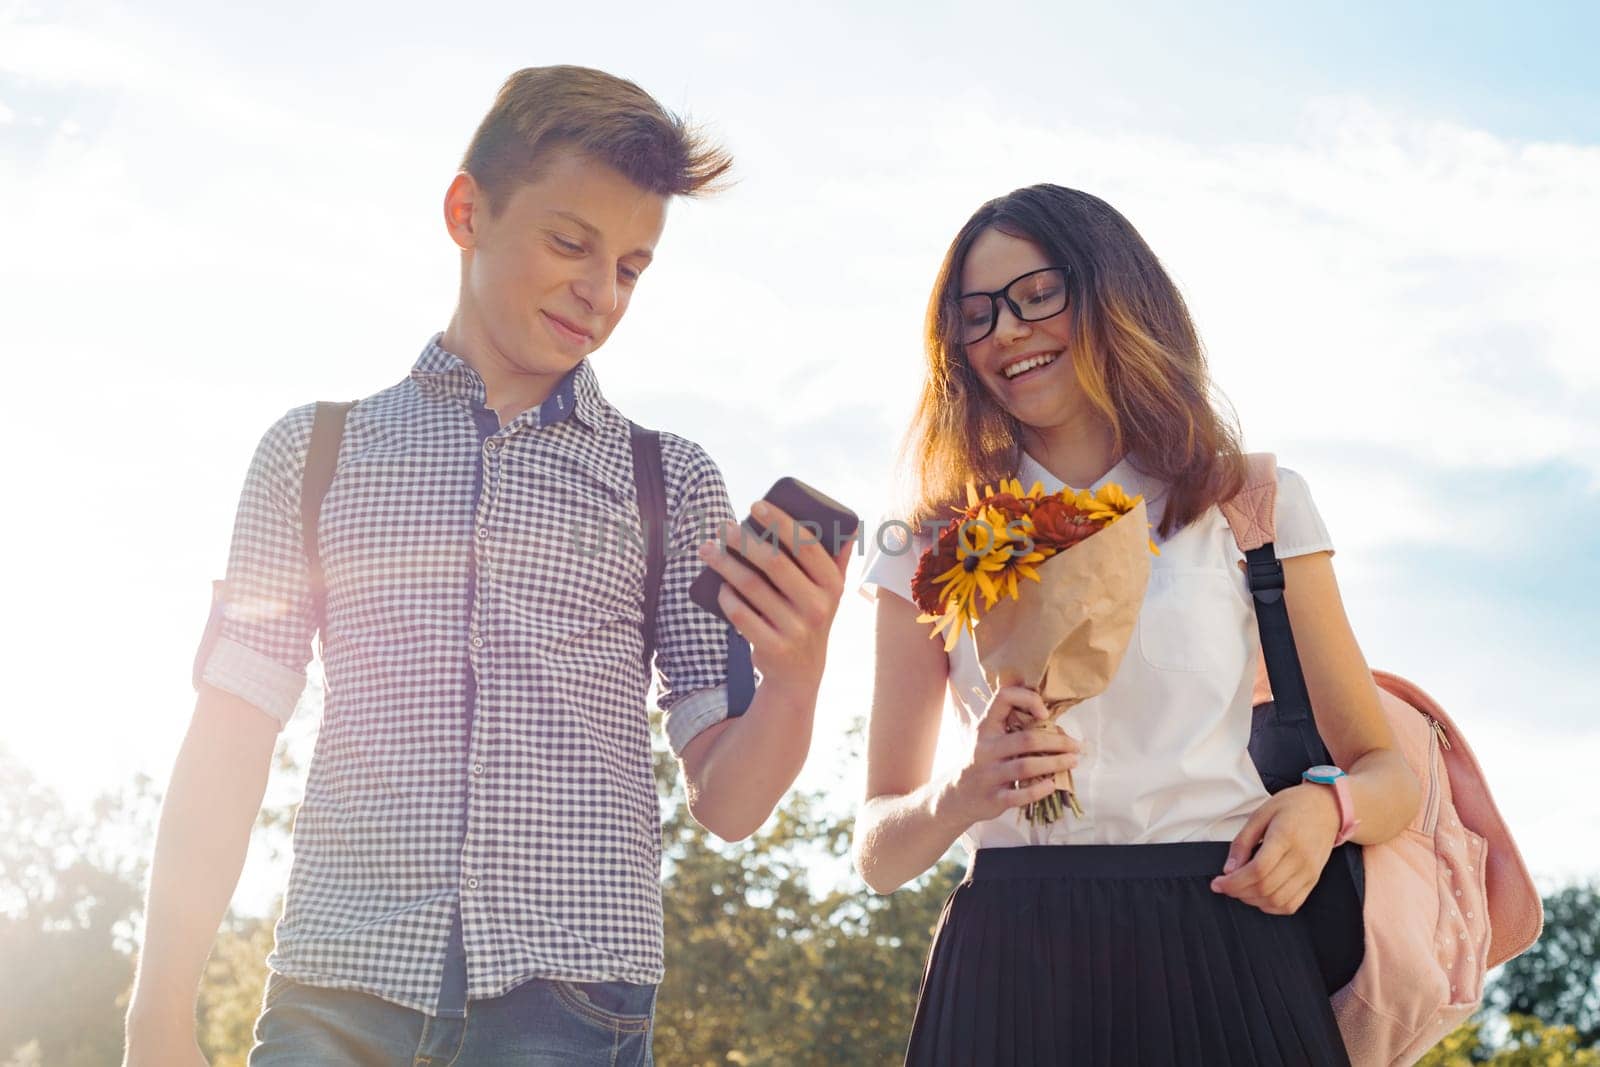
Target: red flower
x=1058, y=524
x=940, y=558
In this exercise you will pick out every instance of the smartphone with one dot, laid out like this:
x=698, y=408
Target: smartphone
x=818, y=515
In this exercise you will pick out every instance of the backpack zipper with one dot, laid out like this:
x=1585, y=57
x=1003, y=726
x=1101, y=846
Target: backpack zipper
x=1438, y=730
x=1436, y=737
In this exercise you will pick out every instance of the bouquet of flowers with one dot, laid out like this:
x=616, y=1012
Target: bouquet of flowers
x=1088, y=553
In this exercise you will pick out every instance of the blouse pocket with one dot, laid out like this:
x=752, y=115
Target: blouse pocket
x=1189, y=620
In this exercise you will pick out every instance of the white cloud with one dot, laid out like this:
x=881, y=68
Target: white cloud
x=61, y=53
x=1540, y=780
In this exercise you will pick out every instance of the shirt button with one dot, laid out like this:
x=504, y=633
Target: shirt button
x=472, y=883
x=477, y=768
x=483, y=533
x=477, y=641
x=491, y=444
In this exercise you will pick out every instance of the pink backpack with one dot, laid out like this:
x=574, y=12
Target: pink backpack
x=1447, y=899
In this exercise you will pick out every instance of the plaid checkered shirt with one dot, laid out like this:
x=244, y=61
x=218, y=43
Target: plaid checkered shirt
x=484, y=743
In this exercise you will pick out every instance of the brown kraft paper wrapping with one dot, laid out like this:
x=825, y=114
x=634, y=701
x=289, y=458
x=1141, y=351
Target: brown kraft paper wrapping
x=1066, y=639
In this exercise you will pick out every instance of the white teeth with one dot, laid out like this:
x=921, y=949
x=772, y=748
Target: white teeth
x=1028, y=364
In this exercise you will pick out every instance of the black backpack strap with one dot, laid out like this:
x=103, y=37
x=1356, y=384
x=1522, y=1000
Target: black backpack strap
x=1289, y=694
x=1332, y=911
x=322, y=459
x=741, y=674
x=650, y=484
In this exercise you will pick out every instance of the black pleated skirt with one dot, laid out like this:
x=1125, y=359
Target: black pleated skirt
x=1116, y=954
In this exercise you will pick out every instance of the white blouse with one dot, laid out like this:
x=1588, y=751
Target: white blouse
x=1165, y=746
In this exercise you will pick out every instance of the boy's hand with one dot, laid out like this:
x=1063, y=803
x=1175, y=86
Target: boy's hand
x=156, y=1042
x=786, y=621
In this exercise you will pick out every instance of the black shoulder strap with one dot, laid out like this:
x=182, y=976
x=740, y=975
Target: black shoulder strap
x=652, y=490
x=322, y=458
x=651, y=486
x=1333, y=909
x=1278, y=648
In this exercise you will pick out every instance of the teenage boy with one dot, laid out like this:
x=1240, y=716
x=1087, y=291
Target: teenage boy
x=476, y=860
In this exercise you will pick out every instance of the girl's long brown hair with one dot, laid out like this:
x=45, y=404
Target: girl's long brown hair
x=1133, y=347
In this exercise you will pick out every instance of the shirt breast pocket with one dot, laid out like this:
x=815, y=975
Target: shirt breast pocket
x=1191, y=621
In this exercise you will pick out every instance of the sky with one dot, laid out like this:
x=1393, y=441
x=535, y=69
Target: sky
x=1383, y=216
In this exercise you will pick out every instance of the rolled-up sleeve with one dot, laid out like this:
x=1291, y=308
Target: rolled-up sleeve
x=260, y=641
x=692, y=644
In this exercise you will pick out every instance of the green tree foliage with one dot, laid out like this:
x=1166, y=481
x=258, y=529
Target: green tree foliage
x=230, y=991
x=69, y=898
x=1462, y=1047
x=71, y=894
x=767, y=966
x=1558, y=979
x=1531, y=1043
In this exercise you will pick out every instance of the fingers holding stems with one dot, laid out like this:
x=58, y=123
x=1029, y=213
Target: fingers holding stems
x=1017, y=757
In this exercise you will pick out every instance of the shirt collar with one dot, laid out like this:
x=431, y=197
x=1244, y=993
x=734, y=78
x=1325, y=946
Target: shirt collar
x=1124, y=472
x=584, y=396
x=443, y=373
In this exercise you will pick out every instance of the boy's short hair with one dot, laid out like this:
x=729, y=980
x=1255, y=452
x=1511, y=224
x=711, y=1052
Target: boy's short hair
x=605, y=117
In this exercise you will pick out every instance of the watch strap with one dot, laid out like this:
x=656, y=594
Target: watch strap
x=1347, y=809
x=1339, y=782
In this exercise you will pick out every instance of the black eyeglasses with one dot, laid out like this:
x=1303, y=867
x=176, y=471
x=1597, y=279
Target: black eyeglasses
x=1034, y=296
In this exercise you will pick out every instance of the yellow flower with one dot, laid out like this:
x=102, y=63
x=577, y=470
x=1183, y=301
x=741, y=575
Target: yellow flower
x=1022, y=567
x=996, y=546
x=1014, y=487
x=994, y=549
x=1112, y=496
x=951, y=624
x=1104, y=505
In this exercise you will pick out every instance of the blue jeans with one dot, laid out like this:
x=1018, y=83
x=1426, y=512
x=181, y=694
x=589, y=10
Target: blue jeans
x=542, y=1023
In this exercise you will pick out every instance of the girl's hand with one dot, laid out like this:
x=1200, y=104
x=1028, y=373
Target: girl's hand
x=1008, y=770
x=1295, y=829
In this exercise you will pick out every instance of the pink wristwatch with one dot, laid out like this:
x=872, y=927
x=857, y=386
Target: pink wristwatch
x=1323, y=774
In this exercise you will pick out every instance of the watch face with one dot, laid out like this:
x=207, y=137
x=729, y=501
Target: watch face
x=1323, y=773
